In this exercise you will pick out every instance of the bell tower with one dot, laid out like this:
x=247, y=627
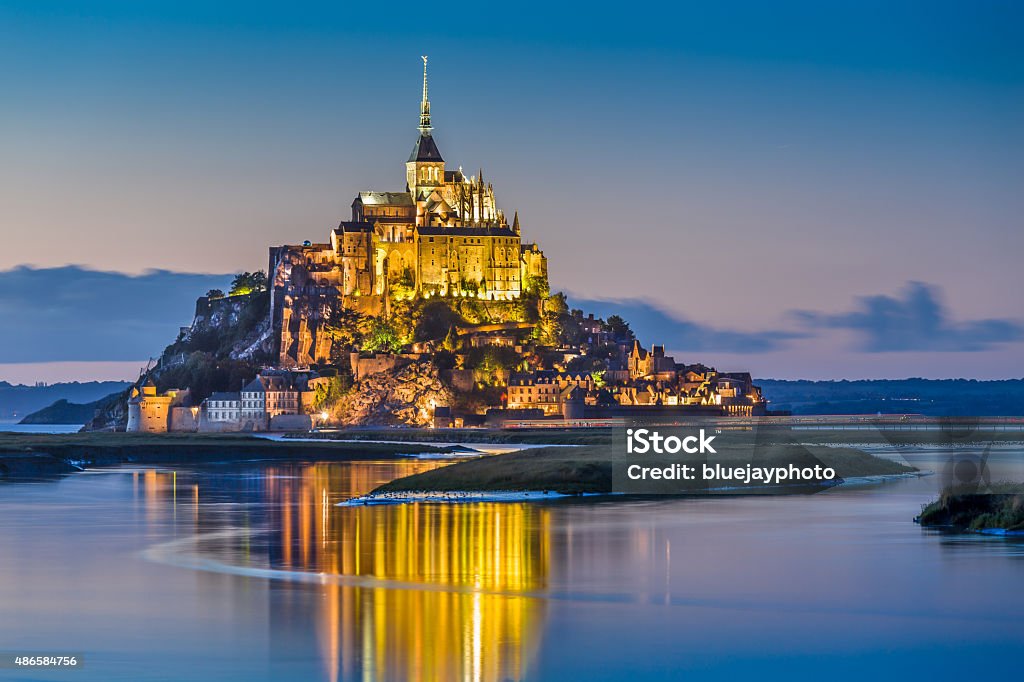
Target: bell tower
x=424, y=171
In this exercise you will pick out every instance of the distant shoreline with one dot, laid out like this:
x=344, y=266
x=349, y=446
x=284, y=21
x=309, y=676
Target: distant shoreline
x=34, y=455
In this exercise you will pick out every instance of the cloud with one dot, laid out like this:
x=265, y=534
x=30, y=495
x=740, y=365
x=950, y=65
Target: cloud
x=652, y=324
x=914, y=321
x=74, y=313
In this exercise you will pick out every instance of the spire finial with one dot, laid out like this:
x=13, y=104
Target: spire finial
x=425, y=103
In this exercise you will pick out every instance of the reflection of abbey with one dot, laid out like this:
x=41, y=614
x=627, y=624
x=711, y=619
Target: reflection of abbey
x=442, y=235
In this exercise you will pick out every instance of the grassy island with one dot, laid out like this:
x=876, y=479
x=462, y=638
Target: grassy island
x=588, y=469
x=968, y=510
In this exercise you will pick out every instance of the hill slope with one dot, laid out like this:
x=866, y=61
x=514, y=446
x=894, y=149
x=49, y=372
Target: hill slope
x=17, y=400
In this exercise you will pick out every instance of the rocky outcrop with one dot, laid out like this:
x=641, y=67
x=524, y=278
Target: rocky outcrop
x=236, y=327
x=405, y=397
x=64, y=412
x=111, y=414
x=260, y=342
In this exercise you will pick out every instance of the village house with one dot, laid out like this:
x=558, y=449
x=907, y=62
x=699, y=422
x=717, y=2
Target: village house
x=545, y=390
x=223, y=407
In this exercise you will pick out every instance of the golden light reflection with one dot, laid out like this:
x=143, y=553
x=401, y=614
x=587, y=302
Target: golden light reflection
x=461, y=619
x=452, y=608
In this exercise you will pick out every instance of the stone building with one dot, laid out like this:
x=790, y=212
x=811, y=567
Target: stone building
x=223, y=407
x=270, y=395
x=546, y=390
x=443, y=235
x=149, y=411
x=650, y=365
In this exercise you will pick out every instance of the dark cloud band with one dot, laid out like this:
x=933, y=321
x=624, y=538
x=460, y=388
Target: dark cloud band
x=915, y=320
x=73, y=313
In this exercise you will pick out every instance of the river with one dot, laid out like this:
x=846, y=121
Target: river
x=252, y=572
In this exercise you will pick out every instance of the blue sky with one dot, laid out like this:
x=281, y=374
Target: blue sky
x=757, y=170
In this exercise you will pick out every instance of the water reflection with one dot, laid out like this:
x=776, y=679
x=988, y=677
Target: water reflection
x=459, y=613
x=725, y=588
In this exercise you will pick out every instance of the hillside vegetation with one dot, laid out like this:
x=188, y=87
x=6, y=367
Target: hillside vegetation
x=966, y=509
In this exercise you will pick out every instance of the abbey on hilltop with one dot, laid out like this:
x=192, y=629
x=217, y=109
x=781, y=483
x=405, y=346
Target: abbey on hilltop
x=424, y=308
x=443, y=235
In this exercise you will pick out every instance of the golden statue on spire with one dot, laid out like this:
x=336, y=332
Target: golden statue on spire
x=425, y=103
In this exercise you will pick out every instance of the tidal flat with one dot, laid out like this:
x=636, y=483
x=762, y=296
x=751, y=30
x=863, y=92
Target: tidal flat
x=48, y=454
x=589, y=469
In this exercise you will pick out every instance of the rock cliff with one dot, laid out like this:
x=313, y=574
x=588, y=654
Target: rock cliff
x=235, y=327
x=405, y=397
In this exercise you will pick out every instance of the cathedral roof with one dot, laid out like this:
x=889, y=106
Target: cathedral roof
x=425, y=149
x=466, y=231
x=385, y=198
x=254, y=386
x=352, y=226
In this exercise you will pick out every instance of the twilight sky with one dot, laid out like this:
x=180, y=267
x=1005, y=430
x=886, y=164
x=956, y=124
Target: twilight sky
x=798, y=189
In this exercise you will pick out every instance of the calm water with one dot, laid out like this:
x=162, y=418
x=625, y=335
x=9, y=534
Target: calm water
x=13, y=427
x=250, y=572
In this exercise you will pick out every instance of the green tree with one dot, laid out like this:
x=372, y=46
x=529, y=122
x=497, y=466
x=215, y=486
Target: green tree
x=492, y=364
x=214, y=293
x=435, y=319
x=556, y=304
x=557, y=326
x=248, y=282
x=382, y=337
x=619, y=329
x=327, y=395
x=451, y=342
x=586, y=363
x=344, y=325
x=536, y=286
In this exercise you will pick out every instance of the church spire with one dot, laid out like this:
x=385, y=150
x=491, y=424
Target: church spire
x=425, y=127
x=425, y=149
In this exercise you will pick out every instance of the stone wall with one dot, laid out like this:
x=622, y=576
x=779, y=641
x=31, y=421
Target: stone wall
x=366, y=366
x=462, y=380
x=184, y=419
x=291, y=422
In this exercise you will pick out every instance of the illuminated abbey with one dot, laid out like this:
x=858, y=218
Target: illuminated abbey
x=443, y=235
